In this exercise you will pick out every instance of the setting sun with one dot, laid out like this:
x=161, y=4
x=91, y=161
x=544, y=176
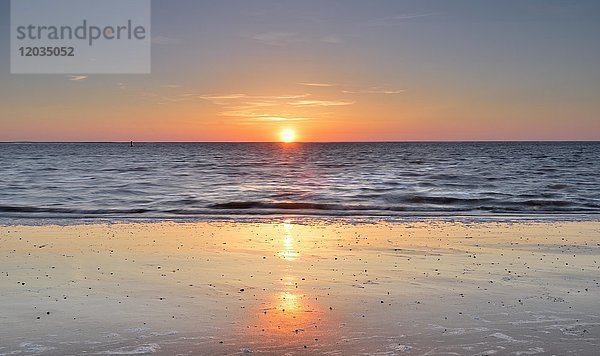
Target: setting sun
x=288, y=135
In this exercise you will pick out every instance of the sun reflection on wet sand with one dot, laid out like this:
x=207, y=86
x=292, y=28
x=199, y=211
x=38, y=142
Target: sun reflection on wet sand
x=288, y=314
x=289, y=251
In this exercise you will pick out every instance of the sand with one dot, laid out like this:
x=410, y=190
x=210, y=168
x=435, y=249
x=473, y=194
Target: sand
x=301, y=287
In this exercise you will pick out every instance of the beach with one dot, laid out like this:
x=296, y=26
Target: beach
x=270, y=177
x=301, y=286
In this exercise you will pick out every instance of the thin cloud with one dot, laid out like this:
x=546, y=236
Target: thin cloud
x=248, y=108
x=222, y=97
x=334, y=39
x=222, y=100
x=279, y=119
x=411, y=16
x=286, y=38
x=174, y=99
x=260, y=104
x=247, y=114
x=242, y=111
x=225, y=99
x=320, y=103
x=291, y=96
x=395, y=20
x=269, y=120
x=276, y=38
x=374, y=91
x=324, y=85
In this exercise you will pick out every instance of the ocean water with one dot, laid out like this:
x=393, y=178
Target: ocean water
x=196, y=180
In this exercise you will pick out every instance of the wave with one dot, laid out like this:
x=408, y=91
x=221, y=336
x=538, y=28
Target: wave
x=437, y=200
x=282, y=206
x=31, y=209
x=418, y=204
x=391, y=206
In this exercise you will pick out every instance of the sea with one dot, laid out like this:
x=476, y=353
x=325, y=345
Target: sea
x=46, y=182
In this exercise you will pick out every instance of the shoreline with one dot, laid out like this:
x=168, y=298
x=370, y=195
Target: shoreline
x=301, y=286
x=304, y=218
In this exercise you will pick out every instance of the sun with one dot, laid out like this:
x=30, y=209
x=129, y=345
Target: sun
x=288, y=136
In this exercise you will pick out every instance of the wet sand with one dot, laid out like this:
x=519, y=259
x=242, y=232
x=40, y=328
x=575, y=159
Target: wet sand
x=301, y=288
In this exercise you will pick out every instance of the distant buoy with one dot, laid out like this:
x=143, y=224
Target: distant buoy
x=131, y=145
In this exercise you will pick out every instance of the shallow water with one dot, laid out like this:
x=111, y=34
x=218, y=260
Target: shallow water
x=192, y=180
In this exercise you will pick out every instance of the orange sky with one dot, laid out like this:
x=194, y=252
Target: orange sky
x=334, y=71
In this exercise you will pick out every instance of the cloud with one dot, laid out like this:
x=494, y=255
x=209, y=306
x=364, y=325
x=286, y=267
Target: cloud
x=261, y=104
x=410, y=16
x=226, y=99
x=222, y=97
x=265, y=108
x=320, y=103
x=286, y=38
x=276, y=38
x=243, y=111
x=250, y=114
x=279, y=119
x=397, y=19
x=174, y=99
x=317, y=84
x=253, y=109
x=373, y=91
x=77, y=77
x=255, y=112
x=332, y=39
x=291, y=96
x=269, y=119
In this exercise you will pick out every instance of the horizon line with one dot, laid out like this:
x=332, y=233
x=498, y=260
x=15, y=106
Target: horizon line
x=303, y=142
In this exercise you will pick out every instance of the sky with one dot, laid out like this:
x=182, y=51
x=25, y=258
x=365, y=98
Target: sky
x=331, y=70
